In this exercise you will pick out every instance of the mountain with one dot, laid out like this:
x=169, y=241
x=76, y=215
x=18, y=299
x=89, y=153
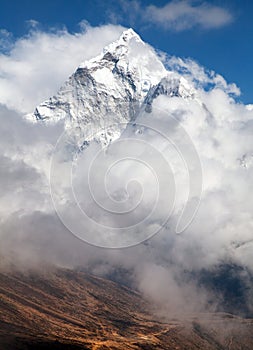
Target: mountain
x=67, y=309
x=108, y=91
x=74, y=310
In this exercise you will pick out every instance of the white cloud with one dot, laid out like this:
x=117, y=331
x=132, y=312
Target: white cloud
x=5, y=40
x=185, y=14
x=40, y=62
x=199, y=75
x=175, y=15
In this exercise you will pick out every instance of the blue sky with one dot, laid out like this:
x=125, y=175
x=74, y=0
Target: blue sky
x=217, y=34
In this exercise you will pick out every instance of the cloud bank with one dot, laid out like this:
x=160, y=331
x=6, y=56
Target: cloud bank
x=27, y=69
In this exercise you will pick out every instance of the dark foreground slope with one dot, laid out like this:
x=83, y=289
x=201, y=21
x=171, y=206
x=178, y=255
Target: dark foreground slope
x=73, y=310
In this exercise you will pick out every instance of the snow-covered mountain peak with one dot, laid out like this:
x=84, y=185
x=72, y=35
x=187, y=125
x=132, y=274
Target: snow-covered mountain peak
x=116, y=50
x=131, y=56
x=111, y=88
x=129, y=34
x=123, y=41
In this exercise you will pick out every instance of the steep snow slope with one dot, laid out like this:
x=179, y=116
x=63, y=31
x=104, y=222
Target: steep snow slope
x=107, y=92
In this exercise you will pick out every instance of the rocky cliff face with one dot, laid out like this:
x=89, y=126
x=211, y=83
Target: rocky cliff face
x=107, y=92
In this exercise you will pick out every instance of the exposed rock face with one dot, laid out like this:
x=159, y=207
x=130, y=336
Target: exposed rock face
x=107, y=92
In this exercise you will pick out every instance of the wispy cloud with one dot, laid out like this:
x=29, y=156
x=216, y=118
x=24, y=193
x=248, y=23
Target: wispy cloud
x=176, y=15
x=182, y=15
x=6, y=39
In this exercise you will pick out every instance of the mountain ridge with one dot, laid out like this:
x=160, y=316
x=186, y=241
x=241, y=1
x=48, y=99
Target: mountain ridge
x=108, y=91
